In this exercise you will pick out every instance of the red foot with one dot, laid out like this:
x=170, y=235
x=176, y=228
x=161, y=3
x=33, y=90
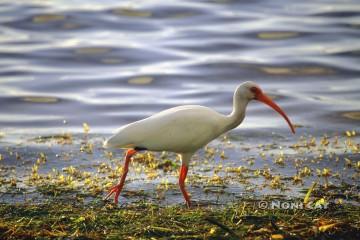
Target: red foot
x=118, y=187
x=115, y=189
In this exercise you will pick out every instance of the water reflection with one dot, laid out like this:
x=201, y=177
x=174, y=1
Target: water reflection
x=277, y=35
x=42, y=99
x=128, y=12
x=46, y=18
x=297, y=71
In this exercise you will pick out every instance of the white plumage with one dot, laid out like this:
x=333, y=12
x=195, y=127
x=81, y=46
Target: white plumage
x=179, y=129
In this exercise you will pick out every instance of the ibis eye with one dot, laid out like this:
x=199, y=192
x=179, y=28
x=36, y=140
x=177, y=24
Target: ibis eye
x=254, y=90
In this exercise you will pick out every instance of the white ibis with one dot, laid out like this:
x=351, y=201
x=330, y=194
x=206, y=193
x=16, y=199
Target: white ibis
x=184, y=130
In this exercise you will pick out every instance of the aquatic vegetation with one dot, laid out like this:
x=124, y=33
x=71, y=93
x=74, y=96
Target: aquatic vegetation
x=41, y=159
x=276, y=183
x=306, y=171
x=350, y=133
x=79, y=179
x=63, y=139
x=280, y=159
x=297, y=179
x=86, y=128
x=87, y=148
x=308, y=194
x=243, y=220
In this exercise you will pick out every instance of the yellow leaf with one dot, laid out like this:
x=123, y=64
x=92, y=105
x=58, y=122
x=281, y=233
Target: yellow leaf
x=326, y=227
x=212, y=231
x=108, y=185
x=277, y=237
x=222, y=155
x=320, y=202
x=307, y=196
x=86, y=127
x=80, y=219
x=326, y=172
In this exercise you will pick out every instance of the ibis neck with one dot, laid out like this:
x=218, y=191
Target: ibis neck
x=238, y=113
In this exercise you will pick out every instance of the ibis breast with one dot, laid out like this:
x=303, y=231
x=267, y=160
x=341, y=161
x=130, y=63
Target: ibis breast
x=180, y=129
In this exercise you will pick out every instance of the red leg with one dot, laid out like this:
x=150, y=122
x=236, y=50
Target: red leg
x=183, y=173
x=118, y=187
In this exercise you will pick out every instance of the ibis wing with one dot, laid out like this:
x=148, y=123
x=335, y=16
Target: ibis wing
x=181, y=129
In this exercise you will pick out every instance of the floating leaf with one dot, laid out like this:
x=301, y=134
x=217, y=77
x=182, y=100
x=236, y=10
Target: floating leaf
x=275, y=182
x=86, y=128
x=306, y=171
x=326, y=172
x=297, y=179
x=222, y=155
x=87, y=148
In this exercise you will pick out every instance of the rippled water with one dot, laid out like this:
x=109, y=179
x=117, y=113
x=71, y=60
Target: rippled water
x=112, y=62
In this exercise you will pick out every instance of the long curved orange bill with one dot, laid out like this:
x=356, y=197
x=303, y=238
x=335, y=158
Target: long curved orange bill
x=265, y=99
